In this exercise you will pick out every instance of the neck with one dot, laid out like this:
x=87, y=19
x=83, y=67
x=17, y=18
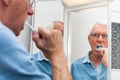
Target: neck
x=95, y=59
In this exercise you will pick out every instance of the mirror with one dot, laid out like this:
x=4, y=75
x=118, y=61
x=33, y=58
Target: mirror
x=78, y=20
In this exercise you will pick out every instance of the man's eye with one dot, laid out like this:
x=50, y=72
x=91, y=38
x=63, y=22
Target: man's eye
x=95, y=35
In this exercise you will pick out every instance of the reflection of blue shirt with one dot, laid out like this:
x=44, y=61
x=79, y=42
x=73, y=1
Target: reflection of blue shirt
x=43, y=64
x=83, y=69
x=15, y=62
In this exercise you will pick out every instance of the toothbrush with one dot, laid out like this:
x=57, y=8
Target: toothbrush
x=98, y=47
x=26, y=23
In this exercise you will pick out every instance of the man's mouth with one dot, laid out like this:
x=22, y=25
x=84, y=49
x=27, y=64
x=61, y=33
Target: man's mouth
x=98, y=47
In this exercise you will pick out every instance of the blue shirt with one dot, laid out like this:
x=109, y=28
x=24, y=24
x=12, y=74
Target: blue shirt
x=15, y=61
x=83, y=69
x=43, y=64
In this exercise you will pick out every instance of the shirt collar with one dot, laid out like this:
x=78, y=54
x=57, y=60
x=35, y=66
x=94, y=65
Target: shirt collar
x=87, y=59
x=41, y=57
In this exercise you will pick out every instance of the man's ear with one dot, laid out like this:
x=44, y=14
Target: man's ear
x=6, y=2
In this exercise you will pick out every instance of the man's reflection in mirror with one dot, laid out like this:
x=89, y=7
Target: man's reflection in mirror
x=94, y=65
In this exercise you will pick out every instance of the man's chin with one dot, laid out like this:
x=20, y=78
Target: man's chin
x=17, y=34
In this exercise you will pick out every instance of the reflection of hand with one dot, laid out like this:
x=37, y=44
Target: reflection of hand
x=104, y=51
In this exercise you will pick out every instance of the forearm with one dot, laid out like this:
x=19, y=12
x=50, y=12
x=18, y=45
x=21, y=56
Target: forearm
x=61, y=74
x=60, y=69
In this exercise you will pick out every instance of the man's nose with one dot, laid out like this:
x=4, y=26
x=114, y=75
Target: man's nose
x=100, y=38
x=30, y=11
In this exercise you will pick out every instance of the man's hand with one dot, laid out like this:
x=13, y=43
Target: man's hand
x=104, y=51
x=49, y=41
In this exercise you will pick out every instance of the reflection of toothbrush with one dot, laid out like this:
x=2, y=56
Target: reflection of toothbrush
x=98, y=47
x=26, y=23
